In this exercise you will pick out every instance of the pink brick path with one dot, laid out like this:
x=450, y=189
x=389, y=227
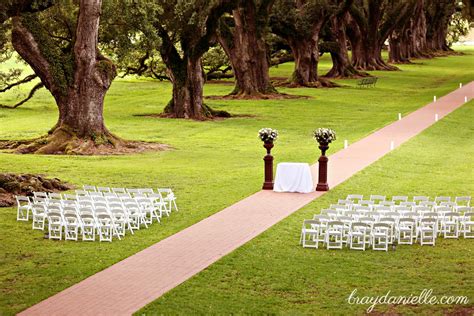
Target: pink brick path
x=136, y=281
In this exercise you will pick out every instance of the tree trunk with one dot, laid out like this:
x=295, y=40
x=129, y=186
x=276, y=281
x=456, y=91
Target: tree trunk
x=80, y=93
x=366, y=51
x=188, y=84
x=341, y=64
x=398, y=51
x=245, y=46
x=306, y=54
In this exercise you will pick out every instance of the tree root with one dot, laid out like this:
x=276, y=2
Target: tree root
x=320, y=83
x=63, y=142
x=208, y=113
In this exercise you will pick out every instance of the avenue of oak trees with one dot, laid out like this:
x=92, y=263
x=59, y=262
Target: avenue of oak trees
x=77, y=48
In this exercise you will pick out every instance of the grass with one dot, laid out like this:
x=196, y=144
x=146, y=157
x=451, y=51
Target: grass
x=213, y=164
x=273, y=275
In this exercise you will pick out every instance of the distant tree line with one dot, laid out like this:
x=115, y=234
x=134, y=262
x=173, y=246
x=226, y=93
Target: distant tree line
x=77, y=47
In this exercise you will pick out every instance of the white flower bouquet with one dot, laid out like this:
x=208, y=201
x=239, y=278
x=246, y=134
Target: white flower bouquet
x=324, y=135
x=268, y=135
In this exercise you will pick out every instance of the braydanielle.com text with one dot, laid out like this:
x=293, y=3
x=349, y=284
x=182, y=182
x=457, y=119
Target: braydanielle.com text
x=424, y=297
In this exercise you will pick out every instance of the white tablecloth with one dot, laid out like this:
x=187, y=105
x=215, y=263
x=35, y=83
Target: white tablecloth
x=293, y=177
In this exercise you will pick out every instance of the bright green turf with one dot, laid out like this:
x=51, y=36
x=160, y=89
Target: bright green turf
x=213, y=164
x=273, y=275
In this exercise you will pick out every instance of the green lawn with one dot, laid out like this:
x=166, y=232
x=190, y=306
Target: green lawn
x=213, y=165
x=273, y=275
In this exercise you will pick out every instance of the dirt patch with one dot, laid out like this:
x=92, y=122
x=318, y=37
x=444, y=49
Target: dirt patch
x=25, y=184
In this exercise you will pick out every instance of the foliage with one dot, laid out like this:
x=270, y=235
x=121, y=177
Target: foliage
x=458, y=27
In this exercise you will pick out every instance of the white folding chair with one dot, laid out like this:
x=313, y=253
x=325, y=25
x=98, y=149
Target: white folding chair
x=96, y=194
x=146, y=210
x=332, y=214
x=71, y=225
x=463, y=200
x=39, y=215
x=408, y=204
x=168, y=196
x=381, y=236
x=406, y=231
x=359, y=236
x=43, y=195
x=88, y=225
x=451, y=205
x=134, y=214
x=55, y=196
x=429, y=204
x=103, y=189
x=368, y=203
x=355, y=198
x=158, y=206
x=119, y=190
x=68, y=203
x=81, y=193
x=110, y=195
x=344, y=202
x=334, y=234
x=146, y=191
x=387, y=203
x=309, y=233
x=392, y=222
x=55, y=225
x=23, y=204
x=133, y=192
x=427, y=229
x=105, y=227
x=440, y=199
x=89, y=188
x=450, y=225
x=377, y=198
x=467, y=225
x=399, y=198
x=120, y=221
x=71, y=197
x=420, y=198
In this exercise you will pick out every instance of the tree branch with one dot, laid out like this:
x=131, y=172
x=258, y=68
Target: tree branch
x=19, y=82
x=38, y=86
x=27, y=47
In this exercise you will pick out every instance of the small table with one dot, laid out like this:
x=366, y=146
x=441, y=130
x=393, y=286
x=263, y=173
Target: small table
x=293, y=177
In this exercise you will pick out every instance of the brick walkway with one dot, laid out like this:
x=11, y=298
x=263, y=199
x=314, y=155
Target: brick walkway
x=138, y=280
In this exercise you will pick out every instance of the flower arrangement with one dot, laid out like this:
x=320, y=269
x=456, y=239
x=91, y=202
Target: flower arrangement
x=268, y=135
x=324, y=135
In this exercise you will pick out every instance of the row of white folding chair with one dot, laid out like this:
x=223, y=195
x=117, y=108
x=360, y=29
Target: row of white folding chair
x=461, y=200
x=400, y=210
x=107, y=225
x=93, y=202
x=106, y=221
x=91, y=188
x=407, y=206
x=356, y=235
x=449, y=224
x=166, y=195
x=140, y=213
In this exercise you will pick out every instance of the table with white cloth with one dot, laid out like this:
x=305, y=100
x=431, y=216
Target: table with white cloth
x=293, y=177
